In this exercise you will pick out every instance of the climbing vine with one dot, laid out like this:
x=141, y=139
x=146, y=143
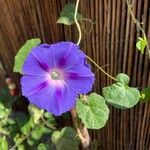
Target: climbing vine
x=54, y=91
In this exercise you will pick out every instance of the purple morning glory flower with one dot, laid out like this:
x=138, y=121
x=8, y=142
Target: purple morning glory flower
x=54, y=75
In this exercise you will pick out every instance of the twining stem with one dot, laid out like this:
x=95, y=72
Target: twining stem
x=88, y=20
x=47, y=124
x=91, y=25
x=100, y=68
x=79, y=40
x=83, y=132
x=138, y=25
x=77, y=23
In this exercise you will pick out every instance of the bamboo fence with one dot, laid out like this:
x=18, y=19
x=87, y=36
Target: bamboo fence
x=111, y=44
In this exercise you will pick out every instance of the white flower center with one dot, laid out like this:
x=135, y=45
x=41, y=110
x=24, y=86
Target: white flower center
x=55, y=75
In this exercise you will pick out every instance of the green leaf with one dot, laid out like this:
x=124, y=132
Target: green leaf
x=3, y=143
x=26, y=128
x=18, y=139
x=141, y=44
x=37, y=133
x=30, y=141
x=36, y=113
x=43, y=146
x=146, y=93
x=50, y=119
x=21, y=147
x=67, y=15
x=65, y=139
x=3, y=130
x=11, y=121
x=123, y=78
x=23, y=53
x=2, y=114
x=2, y=107
x=120, y=95
x=94, y=113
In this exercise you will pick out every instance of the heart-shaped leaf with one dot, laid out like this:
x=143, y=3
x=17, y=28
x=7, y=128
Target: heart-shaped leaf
x=123, y=78
x=94, y=112
x=120, y=95
x=23, y=53
x=67, y=15
x=65, y=139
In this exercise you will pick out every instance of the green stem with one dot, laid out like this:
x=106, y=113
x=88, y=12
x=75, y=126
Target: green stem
x=48, y=125
x=77, y=23
x=79, y=30
x=100, y=68
x=88, y=20
x=91, y=25
x=138, y=25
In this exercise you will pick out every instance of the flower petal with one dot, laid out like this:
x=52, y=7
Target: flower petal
x=32, y=84
x=65, y=99
x=56, y=96
x=55, y=100
x=66, y=54
x=80, y=79
x=34, y=66
x=44, y=53
x=45, y=57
